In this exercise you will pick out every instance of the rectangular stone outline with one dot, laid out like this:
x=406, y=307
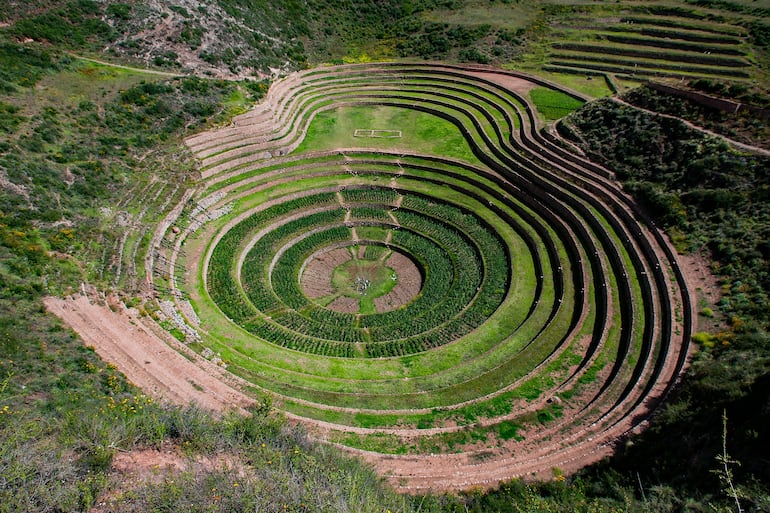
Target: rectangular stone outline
x=383, y=134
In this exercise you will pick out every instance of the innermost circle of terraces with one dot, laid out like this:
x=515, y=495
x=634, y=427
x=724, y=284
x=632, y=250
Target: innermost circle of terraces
x=317, y=275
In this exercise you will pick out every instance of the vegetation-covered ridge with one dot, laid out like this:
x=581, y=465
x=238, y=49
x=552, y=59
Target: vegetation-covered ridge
x=733, y=110
x=631, y=41
x=713, y=202
x=238, y=39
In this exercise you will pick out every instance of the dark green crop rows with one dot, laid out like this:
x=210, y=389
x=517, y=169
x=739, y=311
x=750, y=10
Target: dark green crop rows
x=465, y=267
x=659, y=42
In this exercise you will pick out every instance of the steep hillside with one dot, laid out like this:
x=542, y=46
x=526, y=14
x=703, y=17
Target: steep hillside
x=713, y=201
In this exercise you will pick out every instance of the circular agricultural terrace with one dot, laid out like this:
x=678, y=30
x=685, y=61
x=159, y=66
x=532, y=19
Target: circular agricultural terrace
x=459, y=321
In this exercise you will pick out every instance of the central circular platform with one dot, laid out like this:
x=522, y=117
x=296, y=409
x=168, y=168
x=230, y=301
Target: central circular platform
x=362, y=278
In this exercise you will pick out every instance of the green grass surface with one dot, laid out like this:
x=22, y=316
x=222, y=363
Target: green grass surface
x=419, y=131
x=553, y=104
x=592, y=85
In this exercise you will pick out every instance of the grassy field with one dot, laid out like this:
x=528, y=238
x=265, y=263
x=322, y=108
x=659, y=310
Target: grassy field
x=84, y=81
x=552, y=104
x=420, y=132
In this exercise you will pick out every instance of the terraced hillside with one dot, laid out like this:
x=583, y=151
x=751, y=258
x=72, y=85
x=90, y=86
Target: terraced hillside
x=461, y=305
x=640, y=41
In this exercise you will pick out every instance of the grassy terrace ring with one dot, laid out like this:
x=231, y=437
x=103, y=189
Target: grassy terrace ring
x=463, y=304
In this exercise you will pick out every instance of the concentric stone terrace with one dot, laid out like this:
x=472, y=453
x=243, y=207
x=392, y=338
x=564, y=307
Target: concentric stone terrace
x=463, y=262
x=462, y=317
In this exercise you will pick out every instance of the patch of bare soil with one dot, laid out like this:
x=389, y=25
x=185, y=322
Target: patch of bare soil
x=344, y=304
x=152, y=363
x=147, y=464
x=133, y=469
x=316, y=279
x=408, y=285
x=516, y=84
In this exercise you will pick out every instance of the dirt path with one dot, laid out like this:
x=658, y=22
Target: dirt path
x=735, y=144
x=128, y=68
x=153, y=364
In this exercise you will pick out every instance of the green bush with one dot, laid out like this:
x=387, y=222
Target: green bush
x=119, y=11
x=760, y=33
x=9, y=118
x=76, y=23
x=23, y=65
x=508, y=430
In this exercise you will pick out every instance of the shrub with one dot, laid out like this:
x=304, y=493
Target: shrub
x=508, y=430
x=760, y=33
x=9, y=118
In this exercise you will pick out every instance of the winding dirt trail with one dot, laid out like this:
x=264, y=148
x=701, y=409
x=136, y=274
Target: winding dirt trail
x=127, y=68
x=732, y=142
